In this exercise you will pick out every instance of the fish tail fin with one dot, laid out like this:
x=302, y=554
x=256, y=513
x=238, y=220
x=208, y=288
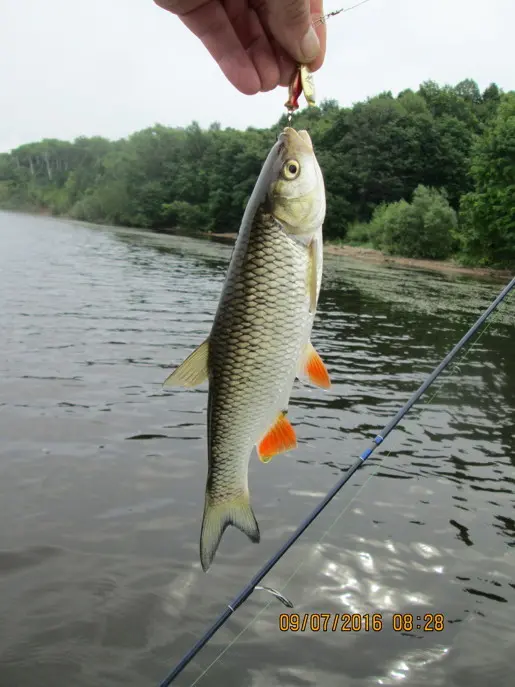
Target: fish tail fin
x=217, y=517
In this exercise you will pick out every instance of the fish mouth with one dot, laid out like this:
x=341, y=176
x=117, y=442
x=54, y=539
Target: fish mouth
x=296, y=141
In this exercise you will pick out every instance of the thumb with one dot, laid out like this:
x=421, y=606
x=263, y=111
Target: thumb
x=290, y=23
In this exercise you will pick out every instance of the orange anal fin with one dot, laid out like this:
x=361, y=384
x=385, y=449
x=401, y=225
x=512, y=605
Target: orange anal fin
x=314, y=368
x=279, y=438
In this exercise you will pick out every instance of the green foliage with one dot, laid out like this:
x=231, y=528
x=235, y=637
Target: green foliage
x=185, y=215
x=362, y=233
x=374, y=157
x=424, y=228
x=488, y=212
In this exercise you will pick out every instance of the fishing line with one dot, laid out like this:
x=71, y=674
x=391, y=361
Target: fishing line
x=249, y=588
x=325, y=17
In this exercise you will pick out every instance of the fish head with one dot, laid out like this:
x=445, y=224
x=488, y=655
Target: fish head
x=296, y=194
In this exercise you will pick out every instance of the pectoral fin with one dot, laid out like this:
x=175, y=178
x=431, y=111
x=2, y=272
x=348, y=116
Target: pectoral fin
x=193, y=371
x=312, y=278
x=279, y=438
x=312, y=367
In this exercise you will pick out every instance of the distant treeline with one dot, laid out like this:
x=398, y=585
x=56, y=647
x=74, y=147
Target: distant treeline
x=452, y=145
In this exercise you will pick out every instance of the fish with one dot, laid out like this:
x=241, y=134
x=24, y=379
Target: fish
x=260, y=338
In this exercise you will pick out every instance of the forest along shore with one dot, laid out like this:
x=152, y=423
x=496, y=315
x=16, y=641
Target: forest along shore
x=376, y=256
x=423, y=175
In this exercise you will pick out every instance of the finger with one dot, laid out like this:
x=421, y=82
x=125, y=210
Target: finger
x=180, y=6
x=290, y=24
x=209, y=22
x=317, y=13
x=286, y=65
x=263, y=57
x=255, y=41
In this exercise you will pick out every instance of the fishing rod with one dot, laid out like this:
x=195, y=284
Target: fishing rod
x=254, y=582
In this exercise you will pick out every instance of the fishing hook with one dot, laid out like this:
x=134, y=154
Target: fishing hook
x=277, y=594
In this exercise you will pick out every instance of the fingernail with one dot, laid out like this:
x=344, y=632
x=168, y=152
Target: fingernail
x=310, y=45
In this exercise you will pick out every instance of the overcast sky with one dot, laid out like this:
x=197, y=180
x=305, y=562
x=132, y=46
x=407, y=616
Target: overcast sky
x=111, y=67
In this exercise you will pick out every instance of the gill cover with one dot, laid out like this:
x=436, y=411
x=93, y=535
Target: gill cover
x=297, y=195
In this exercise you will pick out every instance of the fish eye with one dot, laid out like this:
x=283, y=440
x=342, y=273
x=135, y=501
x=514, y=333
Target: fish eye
x=291, y=170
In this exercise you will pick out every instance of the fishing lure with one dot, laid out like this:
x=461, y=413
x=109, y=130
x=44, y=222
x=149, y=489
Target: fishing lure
x=302, y=82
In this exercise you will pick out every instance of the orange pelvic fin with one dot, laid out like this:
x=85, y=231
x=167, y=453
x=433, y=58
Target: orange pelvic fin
x=313, y=367
x=279, y=438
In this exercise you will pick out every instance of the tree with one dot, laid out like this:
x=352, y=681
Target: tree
x=490, y=101
x=422, y=229
x=488, y=212
x=458, y=101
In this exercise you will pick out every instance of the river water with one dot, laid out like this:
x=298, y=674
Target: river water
x=102, y=477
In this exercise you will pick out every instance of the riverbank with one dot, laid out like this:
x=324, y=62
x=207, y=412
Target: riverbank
x=370, y=255
x=376, y=256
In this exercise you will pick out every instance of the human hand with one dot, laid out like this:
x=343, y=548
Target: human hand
x=256, y=43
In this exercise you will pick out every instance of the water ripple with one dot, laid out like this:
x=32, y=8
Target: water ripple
x=102, y=474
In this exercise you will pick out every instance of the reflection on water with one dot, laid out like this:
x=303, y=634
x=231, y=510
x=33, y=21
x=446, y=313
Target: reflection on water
x=102, y=476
